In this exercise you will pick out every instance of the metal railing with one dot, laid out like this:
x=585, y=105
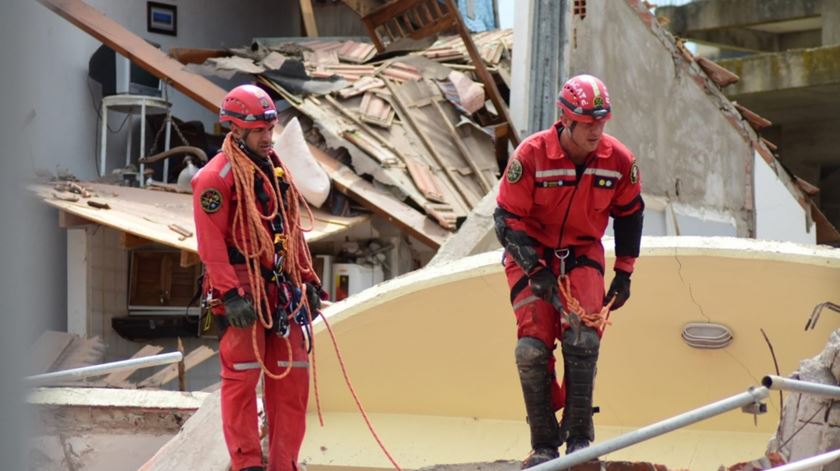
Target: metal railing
x=752, y=397
x=104, y=368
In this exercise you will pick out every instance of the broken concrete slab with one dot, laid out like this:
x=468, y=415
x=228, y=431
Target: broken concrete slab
x=810, y=424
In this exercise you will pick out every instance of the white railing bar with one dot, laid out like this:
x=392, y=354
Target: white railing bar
x=752, y=395
x=104, y=368
x=810, y=463
x=787, y=384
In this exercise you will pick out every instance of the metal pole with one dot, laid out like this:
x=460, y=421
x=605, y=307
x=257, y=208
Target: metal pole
x=787, y=384
x=104, y=368
x=653, y=430
x=810, y=463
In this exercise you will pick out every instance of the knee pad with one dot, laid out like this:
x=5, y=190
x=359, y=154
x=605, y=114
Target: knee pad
x=531, y=351
x=586, y=343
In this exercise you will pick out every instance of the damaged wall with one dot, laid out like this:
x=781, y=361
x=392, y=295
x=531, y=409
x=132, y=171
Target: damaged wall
x=687, y=148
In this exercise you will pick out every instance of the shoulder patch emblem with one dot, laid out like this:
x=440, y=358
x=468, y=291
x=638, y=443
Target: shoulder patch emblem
x=634, y=173
x=514, y=171
x=211, y=200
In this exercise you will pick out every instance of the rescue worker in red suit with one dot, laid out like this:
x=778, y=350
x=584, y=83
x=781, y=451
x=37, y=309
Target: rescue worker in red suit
x=252, y=116
x=555, y=199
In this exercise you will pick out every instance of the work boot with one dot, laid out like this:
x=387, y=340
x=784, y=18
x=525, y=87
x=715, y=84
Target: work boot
x=532, y=358
x=539, y=456
x=253, y=468
x=576, y=443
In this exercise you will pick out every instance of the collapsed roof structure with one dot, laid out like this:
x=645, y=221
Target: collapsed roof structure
x=419, y=154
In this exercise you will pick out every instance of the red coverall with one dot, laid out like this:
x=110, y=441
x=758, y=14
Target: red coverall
x=560, y=211
x=285, y=400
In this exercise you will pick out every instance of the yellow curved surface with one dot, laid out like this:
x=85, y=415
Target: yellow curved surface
x=431, y=355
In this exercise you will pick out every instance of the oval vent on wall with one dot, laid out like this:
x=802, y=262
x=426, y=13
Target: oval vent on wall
x=706, y=335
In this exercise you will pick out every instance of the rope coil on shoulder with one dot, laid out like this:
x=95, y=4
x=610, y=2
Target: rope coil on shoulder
x=254, y=242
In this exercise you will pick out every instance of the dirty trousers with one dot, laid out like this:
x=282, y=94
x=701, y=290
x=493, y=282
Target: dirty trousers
x=285, y=400
x=537, y=318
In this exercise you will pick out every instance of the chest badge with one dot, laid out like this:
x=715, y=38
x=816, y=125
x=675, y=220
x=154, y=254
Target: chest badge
x=514, y=171
x=634, y=173
x=211, y=200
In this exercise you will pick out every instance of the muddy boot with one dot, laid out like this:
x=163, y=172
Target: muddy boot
x=253, y=468
x=539, y=456
x=580, y=354
x=576, y=443
x=532, y=362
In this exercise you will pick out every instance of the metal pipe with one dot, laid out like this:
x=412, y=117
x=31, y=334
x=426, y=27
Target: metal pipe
x=810, y=463
x=653, y=430
x=787, y=384
x=104, y=368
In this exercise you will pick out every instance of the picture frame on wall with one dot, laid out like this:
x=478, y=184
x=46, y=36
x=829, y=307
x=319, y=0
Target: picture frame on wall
x=161, y=18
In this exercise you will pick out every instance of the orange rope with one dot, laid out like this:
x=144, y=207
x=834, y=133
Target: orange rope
x=596, y=320
x=248, y=227
x=255, y=243
x=356, y=396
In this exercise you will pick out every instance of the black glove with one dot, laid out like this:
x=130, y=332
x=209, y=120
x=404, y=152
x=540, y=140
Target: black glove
x=238, y=311
x=620, y=288
x=314, y=293
x=543, y=283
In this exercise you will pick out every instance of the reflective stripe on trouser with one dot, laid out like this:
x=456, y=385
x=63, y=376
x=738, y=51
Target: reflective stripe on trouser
x=537, y=318
x=285, y=400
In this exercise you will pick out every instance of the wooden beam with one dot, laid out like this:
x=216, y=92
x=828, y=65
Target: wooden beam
x=67, y=220
x=189, y=259
x=309, y=18
x=169, y=373
x=130, y=241
x=132, y=46
x=483, y=73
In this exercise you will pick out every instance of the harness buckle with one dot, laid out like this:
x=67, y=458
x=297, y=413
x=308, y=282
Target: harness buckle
x=562, y=254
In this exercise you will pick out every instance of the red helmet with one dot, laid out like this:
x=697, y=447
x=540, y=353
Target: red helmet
x=585, y=99
x=248, y=106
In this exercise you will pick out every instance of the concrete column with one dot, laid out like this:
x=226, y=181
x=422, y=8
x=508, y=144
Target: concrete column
x=831, y=22
x=541, y=62
x=77, y=281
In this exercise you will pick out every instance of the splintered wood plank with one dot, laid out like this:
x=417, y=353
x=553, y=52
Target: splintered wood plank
x=131, y=241
x=189, y=259
x=135, y=48
x=119, y=379
x=47, y=350
x=199, y=445
x=308, y=18
x=169, y=373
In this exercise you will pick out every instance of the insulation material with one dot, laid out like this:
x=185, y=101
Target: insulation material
x=236, y=63
x=462, y=92
x=312, y=181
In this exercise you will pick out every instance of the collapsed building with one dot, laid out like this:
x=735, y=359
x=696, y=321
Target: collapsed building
x=413, y=142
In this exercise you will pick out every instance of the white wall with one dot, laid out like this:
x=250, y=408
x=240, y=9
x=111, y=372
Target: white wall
x=61, y=123
x=778, y=216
